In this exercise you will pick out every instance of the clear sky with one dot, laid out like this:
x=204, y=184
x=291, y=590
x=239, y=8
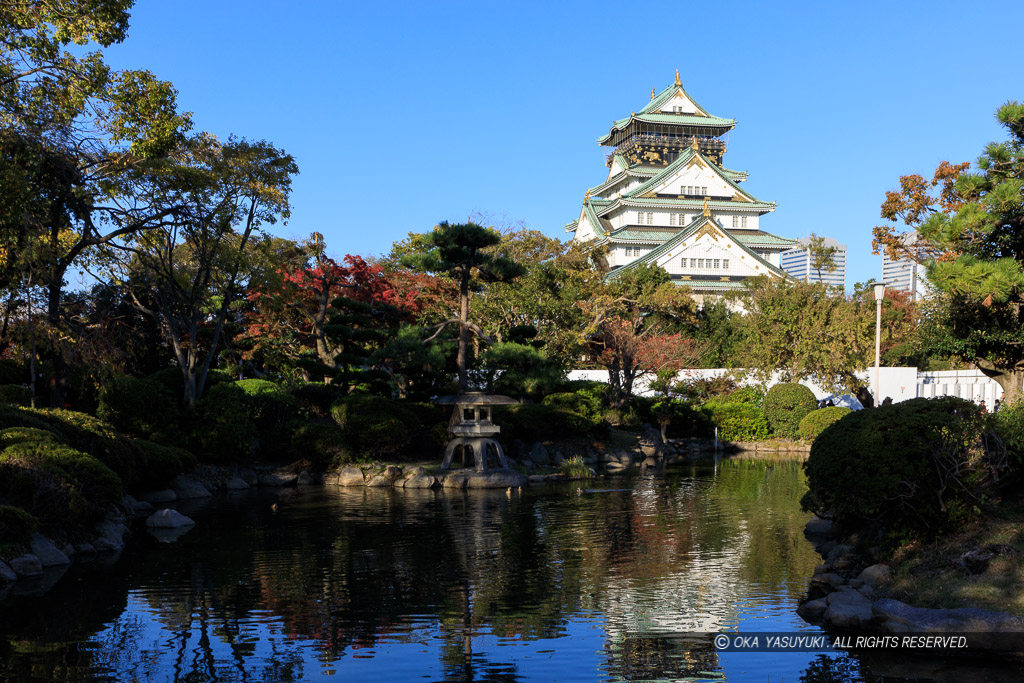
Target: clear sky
x=403, y=114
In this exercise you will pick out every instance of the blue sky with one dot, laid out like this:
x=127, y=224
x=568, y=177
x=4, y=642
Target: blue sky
x=404, y=114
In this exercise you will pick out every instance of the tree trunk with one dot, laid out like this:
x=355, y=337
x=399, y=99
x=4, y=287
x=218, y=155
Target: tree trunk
x=1010, y=379
x=460, y=360
x=61, y=368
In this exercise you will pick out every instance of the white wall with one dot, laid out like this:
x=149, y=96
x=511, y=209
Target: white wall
x=899, y=384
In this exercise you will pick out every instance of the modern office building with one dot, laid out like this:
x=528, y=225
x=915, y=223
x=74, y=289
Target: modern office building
x=669, y=200
x=799, y=263
x=905, y=274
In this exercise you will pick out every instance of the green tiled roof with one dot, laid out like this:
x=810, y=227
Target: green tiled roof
x=689, y=204
x=571, y=227
x=667, y=94
x=759, y=238
x=641, y=235
x=684, y=234
x=683, y=159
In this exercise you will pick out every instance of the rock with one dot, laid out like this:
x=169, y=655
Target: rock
x=650, y=462
x=278, y=479
x=105, y=545
x=185, y=488
x=161, y=496
x=420, y=481
x=539, y=454
x=608, y=457
x=7, y=575
x=26, y=565
x=813, y=610
x=818, y=529
x=823, y=569
x=897, y=617
x=856, y=583
x=236, y=484
x=379, y=479
x=112, y=533
x=454, y=481
x=558, y=458
x=351, y=476
x=141, y=507
x=537, y=478
x=46, y=551
x=168, y=519
x=85, y=549
x=848, y=609
x=837, y=552
x=392, y=473
x=829, y=578
x=492, y=479
x=248, y=476
x=615, y=466
x=331, y=479
x=305, y=478
x=876, y=575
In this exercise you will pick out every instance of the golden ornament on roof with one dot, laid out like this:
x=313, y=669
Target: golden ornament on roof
x=677, y=77
x=707, y=210
x=652, y=93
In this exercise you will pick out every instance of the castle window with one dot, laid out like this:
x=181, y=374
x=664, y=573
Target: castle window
x=704, y=191
x=689, y=189
x=736, y=221
x=700, y=263
x=743, y=222
x=650, y=218
x=716, y=264
x=671, y=219
x=725, y=264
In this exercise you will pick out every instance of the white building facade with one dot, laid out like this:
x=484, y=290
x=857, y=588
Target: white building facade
x=797, y=262
x=668, y=200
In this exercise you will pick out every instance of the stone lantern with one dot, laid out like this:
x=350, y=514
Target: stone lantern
x=472, y=430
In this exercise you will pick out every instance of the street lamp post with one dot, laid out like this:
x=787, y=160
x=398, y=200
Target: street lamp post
x=879, y=288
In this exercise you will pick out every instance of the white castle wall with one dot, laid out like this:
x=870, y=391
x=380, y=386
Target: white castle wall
x=899, y=384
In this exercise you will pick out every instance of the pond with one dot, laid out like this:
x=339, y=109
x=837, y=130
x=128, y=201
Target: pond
x=401, y=585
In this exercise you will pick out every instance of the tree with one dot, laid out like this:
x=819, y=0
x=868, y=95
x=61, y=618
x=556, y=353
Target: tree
x=194, y=266
x=460, y=252
x=624, y=315
x=74, y=134
x=820, y=256
x=971, y=239
x=803, y=331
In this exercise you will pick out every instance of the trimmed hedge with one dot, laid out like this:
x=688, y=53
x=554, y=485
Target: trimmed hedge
x=316, y=398
x=139, y=407
x=220, y=428
x=322, y=443
x=815, y=422
x=785, y=405
x=373, y=425
x=16, y=525
x=15, y=394
x=157, y=465
x=93, y=436
x=881, y=466
x=589, y=400
x=57, y=484
x=534, y=422
x=271, y=410
x=738, y=421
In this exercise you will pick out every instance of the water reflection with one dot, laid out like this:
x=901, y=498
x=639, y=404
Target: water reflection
x=440, y=585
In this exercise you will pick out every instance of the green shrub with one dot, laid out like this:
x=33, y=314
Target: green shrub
x=57, y=484
x=574, y=468
x=426, y=415
x=574, y=403
x=750, y=395
x=689, y=420
x=174, y=381
x=13, y=372
x=14, y=416
x=138, y=407
x=157, y=465
x=534, y=422
x=373, y=425
x=93, y=436
x=16, y=525
x=738, y=421
x=13, y=435
x=15, y=394
x=815, y=422
x=271, y=409
x=322, y=443
x=912, y=467
x=315, y=398
x=220, y=428
x=1008, y=423
x=785, y=405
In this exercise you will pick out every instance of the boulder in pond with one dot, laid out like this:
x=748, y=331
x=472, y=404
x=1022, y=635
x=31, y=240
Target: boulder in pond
x=351, y=476
x=898, y=617
x=236, y=484
x=184, y=488
x=848, y=609
x=305, y=478
x=168, y=519
x=495, y=479
x=278, y=479
x=7, y=575
x=46, y=551
x=26, y=565
x=813, y=610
